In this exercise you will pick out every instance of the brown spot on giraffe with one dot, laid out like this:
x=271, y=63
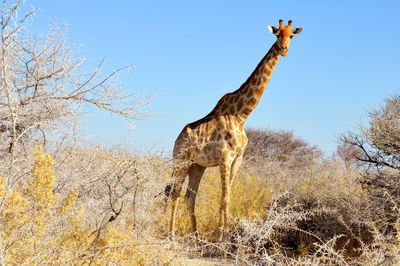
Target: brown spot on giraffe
x=218, y=139
x=233, y=142
x=258, y=95
x=240, y=104
x=253, y=101
x=249, y=94
x=224, y=106
x=247, y=111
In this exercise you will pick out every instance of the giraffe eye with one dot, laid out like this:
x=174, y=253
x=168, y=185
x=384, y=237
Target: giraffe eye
x=291, y=37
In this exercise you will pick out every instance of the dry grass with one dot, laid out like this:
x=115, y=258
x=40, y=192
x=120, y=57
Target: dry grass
x=110, y=211
x=323, y=218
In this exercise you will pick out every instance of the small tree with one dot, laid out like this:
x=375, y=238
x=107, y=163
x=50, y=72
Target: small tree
x=280, y=158
x=280, y=146
x=44, y=90
x=43, y=87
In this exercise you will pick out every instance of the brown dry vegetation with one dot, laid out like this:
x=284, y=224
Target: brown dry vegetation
x=67, y=202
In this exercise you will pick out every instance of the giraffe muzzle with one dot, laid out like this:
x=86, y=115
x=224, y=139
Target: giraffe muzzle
x=283, y=48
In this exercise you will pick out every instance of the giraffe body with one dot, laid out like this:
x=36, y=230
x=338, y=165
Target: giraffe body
x=219, y=138
x=202, y=143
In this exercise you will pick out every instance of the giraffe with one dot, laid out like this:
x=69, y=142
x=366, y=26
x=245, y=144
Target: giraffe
x=219, y=139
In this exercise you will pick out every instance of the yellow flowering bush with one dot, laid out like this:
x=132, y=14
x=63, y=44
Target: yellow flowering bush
x=3, y=183
x=41, y=186
x=41, y=227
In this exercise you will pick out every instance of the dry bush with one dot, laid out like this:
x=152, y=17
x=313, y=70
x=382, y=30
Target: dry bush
x=377, y=149
x=293, y=228
x=123, y=189
x=41, y=226
x=326, y=220
x=97, y=206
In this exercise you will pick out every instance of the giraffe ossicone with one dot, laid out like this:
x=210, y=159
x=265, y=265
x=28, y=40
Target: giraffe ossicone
x=219, y=138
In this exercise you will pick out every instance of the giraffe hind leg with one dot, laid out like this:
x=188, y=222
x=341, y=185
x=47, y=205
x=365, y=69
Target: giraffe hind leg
x=195, y=174
x=179, y=178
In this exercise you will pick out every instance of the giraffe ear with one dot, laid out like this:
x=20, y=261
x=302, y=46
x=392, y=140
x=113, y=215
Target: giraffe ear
x=297, y=31
x=272, y=29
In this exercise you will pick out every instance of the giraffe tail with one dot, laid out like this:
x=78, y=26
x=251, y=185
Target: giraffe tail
x=167, y=194
x=167, y=190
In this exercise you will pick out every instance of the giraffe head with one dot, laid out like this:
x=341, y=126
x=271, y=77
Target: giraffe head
x=284, y=35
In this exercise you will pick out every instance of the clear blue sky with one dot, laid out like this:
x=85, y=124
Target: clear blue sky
x=187, y=54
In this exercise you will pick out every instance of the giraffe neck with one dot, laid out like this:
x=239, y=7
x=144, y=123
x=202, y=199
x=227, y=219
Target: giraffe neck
x=243, y=101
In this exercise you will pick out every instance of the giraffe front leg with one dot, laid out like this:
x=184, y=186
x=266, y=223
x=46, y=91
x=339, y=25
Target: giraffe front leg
x=235, y=168
x=225, y=170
